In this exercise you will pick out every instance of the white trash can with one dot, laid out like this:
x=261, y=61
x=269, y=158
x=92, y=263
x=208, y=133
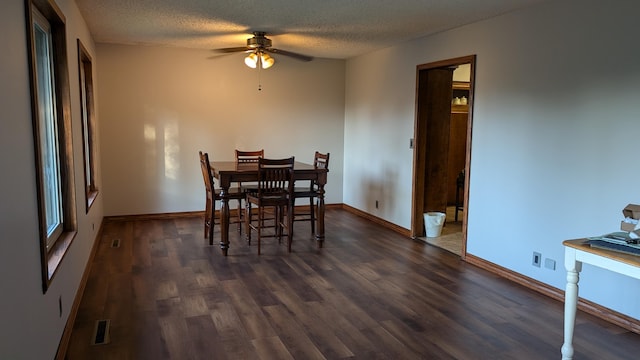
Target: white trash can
x=433, y=222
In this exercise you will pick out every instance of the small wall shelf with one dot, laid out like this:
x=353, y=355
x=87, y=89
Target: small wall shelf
x=460, y=89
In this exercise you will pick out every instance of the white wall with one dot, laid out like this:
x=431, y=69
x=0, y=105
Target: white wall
x=555, y=123
x=32, y=327
x=159, y=106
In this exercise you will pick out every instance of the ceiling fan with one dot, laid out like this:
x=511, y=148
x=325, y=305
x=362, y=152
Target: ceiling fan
x=258, y=48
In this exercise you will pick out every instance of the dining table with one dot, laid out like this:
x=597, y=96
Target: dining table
x=228, y=172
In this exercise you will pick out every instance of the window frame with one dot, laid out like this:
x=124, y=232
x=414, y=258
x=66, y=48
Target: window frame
x=52, y=252
x=85, y=76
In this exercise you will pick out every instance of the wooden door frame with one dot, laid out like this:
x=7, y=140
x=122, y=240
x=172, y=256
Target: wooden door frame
x=417, y=221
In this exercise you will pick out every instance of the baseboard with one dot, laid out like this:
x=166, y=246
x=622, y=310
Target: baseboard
x=68, y=328
x=188, y=214
x=587, y=306
x=158, y=216
x=599, y=311
x=377, y=220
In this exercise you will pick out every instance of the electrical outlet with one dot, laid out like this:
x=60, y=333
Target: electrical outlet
x=376, y=204
x=537, y=259
x=550, y=264
x=411, y=143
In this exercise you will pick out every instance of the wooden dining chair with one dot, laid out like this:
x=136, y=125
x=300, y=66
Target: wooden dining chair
x=320, y=161
x=247, y=157
x=275, y=191
x=213, y=195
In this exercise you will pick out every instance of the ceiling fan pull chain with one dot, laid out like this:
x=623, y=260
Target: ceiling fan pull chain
x=259, y=69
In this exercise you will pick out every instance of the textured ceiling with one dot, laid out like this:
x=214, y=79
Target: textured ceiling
x=336, y=29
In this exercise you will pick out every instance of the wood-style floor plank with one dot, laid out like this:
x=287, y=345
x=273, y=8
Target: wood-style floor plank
x=369, y=293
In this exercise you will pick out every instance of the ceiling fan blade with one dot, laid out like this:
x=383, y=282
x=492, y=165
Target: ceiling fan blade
x=219, y=56
x=232, y=49
x=289, y=53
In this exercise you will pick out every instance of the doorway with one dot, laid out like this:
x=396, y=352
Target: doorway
x=444, y=99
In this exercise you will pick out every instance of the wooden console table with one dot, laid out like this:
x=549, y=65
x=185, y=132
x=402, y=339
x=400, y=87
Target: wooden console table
x=576, y=253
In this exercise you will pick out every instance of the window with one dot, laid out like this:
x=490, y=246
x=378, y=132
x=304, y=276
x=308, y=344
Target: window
x=48, y=128
x=85, y=69
x=52, y=133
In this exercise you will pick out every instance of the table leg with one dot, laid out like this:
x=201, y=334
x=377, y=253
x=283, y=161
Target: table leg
x=570, y=301
x=320, y=217
x=224, y=220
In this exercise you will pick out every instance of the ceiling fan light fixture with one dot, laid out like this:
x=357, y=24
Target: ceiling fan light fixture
x=251, y=60
x=259, y=59
x=266, y=61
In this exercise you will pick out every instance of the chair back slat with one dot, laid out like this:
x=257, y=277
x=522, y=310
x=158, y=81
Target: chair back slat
x=320, y=161
x=275, y=176
x=205, y=166
x=248, y=156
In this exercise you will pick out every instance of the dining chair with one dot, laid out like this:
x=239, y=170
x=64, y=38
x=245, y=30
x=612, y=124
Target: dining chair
x=245, y=157
x=248, y=156
x=213, y=195
x=274, y=191
x=320, y=161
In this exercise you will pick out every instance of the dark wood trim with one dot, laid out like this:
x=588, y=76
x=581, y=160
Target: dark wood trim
x=51, y=258
x=57, y=253
x=528, y=282
x=419, y=161
x=159, y=216
x=68, y=328
x=360, y=279
x=87, y=111
x=448, y=62
x=176, y=215
x=587, y=306
x=399, y=229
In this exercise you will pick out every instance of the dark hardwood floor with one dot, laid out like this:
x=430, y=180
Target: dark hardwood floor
x=368, y=294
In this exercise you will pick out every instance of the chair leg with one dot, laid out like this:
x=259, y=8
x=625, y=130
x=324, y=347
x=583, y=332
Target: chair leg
x=207, y=216
x=278, y=223
x=260, y=222
x=240, y=216
x=212, y=221
x=293, y=214
x=289, y=226
x=247, y=221
x=312, y=210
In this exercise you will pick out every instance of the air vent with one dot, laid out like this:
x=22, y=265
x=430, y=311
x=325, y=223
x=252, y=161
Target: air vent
x=101, y=332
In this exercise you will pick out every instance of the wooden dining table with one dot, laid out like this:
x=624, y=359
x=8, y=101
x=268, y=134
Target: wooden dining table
x=227, y=172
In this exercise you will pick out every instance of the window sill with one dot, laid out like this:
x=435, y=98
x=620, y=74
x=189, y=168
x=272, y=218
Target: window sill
x=55, y=255
x=91, y=197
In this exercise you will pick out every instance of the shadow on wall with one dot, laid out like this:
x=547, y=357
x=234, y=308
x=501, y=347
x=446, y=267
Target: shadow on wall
x=377, y=193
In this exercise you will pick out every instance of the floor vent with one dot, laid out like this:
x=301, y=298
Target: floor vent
x=115, y=243
x=101, y=332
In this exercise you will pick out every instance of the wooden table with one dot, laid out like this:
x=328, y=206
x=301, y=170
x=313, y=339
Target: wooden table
x=577, y=252
x=228, y=172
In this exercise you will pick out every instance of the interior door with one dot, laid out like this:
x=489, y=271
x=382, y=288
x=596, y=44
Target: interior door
x=432, y=137
x=432, y=147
